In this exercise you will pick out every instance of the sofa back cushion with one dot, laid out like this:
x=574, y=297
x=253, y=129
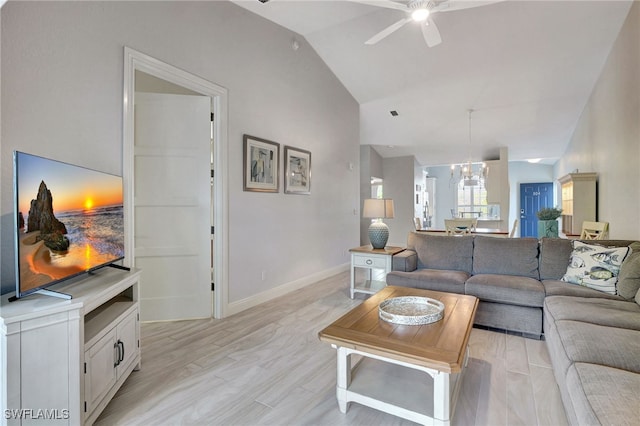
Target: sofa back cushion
x=629, y=277
x=506, y=256
x=554, y=257
x=442, y=252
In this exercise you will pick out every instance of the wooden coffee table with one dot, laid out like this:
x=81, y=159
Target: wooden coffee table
x=385, y=376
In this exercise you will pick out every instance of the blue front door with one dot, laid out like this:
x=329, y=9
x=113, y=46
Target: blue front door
x=533, y=197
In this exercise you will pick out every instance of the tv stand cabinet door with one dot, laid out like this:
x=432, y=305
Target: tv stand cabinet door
x=127, y=334
x=100, y=376
x=45, y=364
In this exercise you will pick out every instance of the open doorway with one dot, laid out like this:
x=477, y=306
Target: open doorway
x=377, y=187
x=429, y=202
x=175, y=135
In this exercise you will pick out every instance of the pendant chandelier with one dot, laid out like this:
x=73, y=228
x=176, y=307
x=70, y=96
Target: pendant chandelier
x=470, y=173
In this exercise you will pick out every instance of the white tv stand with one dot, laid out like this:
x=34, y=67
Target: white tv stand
x=63, y=360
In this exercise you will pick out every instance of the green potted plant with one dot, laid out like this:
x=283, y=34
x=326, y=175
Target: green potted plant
x=548, y=222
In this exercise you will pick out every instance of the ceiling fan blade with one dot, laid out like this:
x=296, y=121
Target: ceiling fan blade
x=387, y=31
x=385, y=3
x=452, y=5
x=431, y=33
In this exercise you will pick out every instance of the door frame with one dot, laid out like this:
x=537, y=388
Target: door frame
x=137, y=61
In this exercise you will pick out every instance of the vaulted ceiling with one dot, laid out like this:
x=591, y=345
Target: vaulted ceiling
x=526, y=68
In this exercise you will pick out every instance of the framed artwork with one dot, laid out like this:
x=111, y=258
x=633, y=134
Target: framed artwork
x=297, y=175
x=261, y=165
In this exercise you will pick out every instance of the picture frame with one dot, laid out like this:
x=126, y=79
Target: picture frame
x=297, y=175
x=261, y=168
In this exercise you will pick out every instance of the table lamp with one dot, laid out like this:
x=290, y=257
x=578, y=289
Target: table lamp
x=378, y=208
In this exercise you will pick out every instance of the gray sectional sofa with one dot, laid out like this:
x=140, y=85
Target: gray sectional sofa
x=594, y=343
x=503, y=273
x=593, y=337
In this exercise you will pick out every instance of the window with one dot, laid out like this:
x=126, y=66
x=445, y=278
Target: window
x=471, y=201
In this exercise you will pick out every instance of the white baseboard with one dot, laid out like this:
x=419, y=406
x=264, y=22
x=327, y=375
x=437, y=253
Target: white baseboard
x=281, y=290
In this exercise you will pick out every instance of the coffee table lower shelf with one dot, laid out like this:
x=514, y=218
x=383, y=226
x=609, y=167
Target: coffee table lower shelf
x=394, y=387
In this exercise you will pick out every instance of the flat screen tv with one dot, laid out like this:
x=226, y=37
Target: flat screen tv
x=69, y=220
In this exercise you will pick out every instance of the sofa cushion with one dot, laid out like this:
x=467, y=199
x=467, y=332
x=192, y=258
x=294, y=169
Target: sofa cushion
x=598, y=344
x=430, y=279
x=554, y=257
x=510, y=289
x=595, y=266
x=442, y=252
x=561, y=288
x=505, y=256
x=610, y=313
x=629, y=277
x=603, y=395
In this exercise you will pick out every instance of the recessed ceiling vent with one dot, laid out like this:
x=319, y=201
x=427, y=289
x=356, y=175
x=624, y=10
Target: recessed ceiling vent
x=393, y=113
x=263, y=1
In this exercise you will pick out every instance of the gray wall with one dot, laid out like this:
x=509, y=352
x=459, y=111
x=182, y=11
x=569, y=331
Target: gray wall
x=62, y=77
x=370, y=166
x=399, y=185
x=607, y=135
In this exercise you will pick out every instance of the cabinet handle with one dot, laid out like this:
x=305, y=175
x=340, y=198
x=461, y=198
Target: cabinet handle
x=121, y=345
x=369, y=262
x=116, y=347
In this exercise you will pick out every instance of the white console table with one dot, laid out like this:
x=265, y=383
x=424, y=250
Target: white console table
x=63, y=360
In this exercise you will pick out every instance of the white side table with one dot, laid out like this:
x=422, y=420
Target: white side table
x=367, y=257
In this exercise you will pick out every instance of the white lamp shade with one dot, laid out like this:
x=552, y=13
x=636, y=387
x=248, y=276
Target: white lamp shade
x=381, y=208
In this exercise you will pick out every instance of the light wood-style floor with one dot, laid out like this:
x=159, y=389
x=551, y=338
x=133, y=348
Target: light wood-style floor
x=266, y=366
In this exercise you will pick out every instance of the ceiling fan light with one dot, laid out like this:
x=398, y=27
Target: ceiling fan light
x=420, y=15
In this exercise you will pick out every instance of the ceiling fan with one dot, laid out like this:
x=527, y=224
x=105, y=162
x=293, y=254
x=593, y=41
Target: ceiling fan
x=420, y=11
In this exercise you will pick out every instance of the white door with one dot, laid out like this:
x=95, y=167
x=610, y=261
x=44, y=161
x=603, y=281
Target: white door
x=172, y=200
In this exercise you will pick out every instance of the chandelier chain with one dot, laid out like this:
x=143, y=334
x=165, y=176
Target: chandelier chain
x=466, y=170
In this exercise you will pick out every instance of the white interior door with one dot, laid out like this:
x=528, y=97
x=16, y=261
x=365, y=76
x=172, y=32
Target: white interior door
x=172, y=201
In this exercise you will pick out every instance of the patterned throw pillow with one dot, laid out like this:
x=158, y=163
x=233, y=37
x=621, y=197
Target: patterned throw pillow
x=595, y=266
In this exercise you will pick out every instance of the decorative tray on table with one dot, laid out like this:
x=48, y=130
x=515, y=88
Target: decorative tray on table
x=411, y=310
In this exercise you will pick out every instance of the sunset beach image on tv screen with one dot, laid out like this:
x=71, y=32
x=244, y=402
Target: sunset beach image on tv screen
x=70, y=220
